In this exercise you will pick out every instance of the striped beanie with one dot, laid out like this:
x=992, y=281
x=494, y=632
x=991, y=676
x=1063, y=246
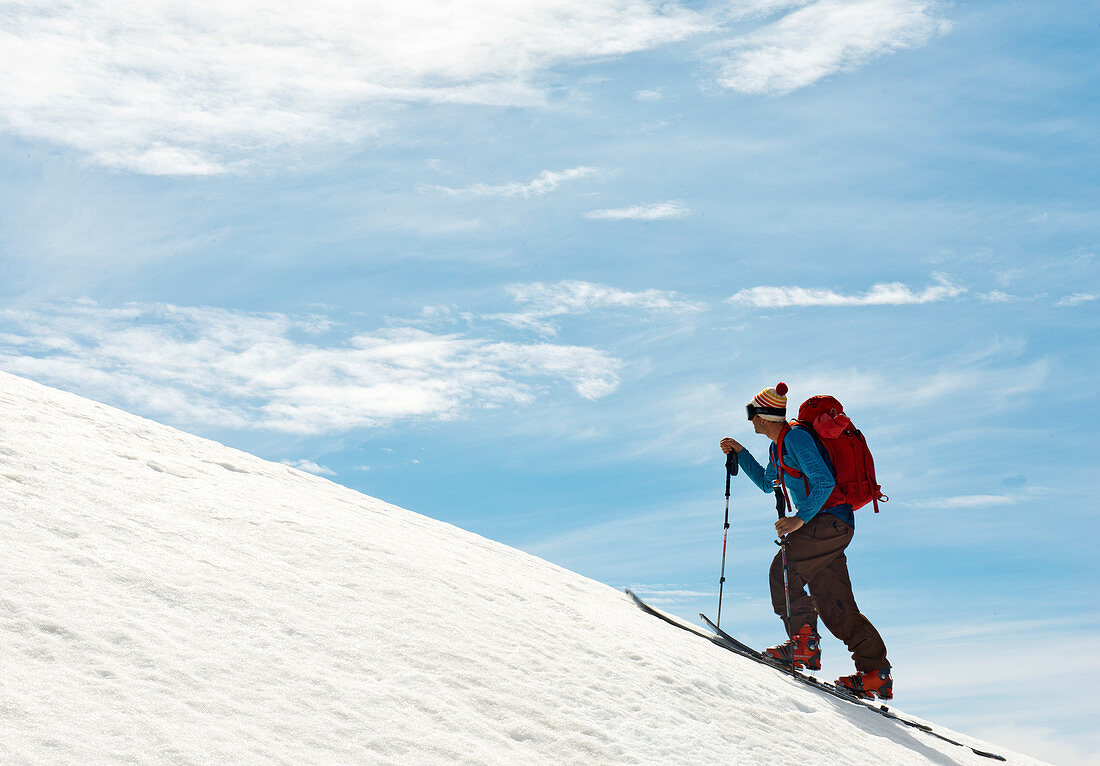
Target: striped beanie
x=774, y=400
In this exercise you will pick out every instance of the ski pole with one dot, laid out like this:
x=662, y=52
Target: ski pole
x=731, y=470
x=779, y=507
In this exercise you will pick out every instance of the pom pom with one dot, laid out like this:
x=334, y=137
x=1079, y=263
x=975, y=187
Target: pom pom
x=781, y=389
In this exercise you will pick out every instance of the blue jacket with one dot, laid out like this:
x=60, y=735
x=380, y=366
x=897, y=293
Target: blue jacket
x=801, y=453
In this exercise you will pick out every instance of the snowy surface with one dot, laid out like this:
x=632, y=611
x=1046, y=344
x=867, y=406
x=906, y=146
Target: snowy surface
x=170, y=600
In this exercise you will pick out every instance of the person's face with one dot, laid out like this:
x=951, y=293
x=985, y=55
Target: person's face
x=758, y=424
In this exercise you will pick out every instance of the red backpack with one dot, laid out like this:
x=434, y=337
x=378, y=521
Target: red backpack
x=843, y=446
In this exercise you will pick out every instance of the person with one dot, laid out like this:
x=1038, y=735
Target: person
x=815, y=538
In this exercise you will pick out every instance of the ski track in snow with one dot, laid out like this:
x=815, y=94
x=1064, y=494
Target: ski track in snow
x=168, y=600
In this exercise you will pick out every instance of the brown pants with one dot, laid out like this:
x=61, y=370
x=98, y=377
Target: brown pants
x=815, y=558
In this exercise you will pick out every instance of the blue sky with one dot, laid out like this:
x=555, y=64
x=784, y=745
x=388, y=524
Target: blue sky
x=520, y=268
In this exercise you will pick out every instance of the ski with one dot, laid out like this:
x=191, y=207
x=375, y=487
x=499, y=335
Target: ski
x=723, y=639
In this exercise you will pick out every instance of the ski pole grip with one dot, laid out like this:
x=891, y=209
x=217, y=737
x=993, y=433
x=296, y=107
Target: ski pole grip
x=731, y=463
x=779, y=503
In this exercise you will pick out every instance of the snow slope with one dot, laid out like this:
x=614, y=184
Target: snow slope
x=168, y=600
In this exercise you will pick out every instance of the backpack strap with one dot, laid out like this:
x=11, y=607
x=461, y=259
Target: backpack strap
x=783, y=467
x=876, y=492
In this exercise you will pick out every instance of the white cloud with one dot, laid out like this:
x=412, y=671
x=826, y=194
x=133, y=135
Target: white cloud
x=242, y=370
x=576, y=297
x=820, y=39
x=546, y=182
x=1047, y=742
x=648, y=95
x=662, y=593
x=743, y=9
x=927, y=390
x=309, y=467
x=572, y=297
x=885, y=294
x=1007, y=276
x=999, y=296
x=210, y=87
x=965, y=501
x=653, y=212
x=168, y=88
x=1076, y=299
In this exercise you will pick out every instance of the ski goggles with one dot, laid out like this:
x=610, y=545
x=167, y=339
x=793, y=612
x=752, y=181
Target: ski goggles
x=755, y=409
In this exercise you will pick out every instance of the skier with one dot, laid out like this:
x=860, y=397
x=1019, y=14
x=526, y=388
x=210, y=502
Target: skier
x=815, y=539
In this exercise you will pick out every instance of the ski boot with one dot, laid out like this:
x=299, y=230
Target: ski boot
x=803, y=649
x=868, y=685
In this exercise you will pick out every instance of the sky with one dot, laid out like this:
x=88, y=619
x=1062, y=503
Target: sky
x=519, y=269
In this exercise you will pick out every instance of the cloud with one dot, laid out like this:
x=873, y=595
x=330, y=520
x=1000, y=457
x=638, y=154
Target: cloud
x=884, y=294
x=163, y=88
x=212, y=87
x=820, y=39
x=1046, y=742
x=665, y=593
x=309, y=467
x=935, y=653
x=280, y=372
x=1076, y=299
x=965, y=501
x=648, y=95
x=999, y=296
x=653, y=212
x=546, y=182
x=572, y=297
